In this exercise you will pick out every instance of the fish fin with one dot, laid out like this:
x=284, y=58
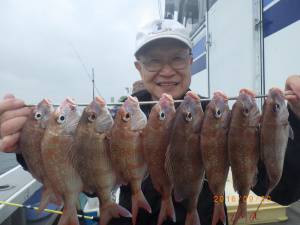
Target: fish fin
x=219, y=214
x=291, y=133
x=69, y=216
x=166, y=211
x=192, y=218
x=139, y=201
x=48, y=196
x=112, y=211
x=240, y=213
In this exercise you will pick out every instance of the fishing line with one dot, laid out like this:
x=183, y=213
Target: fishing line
x=95, y=218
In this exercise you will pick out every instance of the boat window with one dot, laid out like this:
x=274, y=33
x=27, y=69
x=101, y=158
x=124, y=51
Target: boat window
x=195, y=11
x=191, y=13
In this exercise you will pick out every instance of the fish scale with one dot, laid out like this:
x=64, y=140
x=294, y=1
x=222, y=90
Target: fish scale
x=30, y=143
x=126, y=151
x=274, y=134
x=243, y=147
x=183, y=158
x=92, y=161
x=214, y=151
x=156, y=139
x=56, y=153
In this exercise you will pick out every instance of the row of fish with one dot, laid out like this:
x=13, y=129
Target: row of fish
x=96, y=154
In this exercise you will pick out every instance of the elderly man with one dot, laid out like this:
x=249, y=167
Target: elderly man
x=164, y=59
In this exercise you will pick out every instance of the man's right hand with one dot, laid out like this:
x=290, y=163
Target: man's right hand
x=13, y=115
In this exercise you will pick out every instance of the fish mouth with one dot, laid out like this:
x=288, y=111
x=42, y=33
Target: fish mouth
x=247, y=96
x=67, y=103
x=192, y=95
x=47, y=102
x=99, y=100
x=166, y=101
x=131, y=101
x=275, y=93
x=166, y=97
x=220, y=94
x=247, y=92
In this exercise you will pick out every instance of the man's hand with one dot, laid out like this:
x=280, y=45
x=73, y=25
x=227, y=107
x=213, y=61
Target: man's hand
x=13, y=116
x=292, y=86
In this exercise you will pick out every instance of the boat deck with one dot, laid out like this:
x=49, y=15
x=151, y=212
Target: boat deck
x=17, y=186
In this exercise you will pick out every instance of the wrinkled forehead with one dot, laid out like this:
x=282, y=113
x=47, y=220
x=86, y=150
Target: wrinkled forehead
x=163, y=47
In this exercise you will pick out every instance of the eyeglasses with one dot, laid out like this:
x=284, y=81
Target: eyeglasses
x=178, y=62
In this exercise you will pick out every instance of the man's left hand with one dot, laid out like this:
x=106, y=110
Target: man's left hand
x=292, y=91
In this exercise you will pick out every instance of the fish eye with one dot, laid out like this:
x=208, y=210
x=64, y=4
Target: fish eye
x=188, y=116
x=126, y=117
x=276, y=107
x=162, y=115
x=61, y=119
x=92, y=118
x=38, y=116
x=218, y=113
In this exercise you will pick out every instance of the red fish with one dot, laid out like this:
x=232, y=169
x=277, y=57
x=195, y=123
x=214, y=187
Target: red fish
x=30, y=143
x=127, y=151
x=274, y=135
x=156, y=140
x=243, y=147
x=91, y=150
x=213, y=144
x=183, y=158
x=57, y=157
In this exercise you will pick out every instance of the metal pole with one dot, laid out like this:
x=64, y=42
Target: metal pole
x=93, y=80
x=175, y=101
x=208, y=44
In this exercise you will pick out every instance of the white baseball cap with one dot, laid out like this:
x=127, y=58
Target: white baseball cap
x=162, y=28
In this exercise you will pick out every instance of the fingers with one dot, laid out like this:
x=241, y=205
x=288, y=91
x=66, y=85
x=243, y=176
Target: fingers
x=12, y=126
x=292, y=88
x=290, y=95
x=10, y=104
x=9, y=143
x=13, y=116
x=25, y=111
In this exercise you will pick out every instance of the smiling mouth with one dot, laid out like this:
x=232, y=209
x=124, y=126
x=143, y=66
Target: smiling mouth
x=167, y=83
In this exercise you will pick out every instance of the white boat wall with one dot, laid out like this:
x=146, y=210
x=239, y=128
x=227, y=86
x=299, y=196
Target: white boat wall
x=240, y=44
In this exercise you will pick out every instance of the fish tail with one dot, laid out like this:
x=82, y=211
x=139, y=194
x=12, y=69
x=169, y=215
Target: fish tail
x=112, y=210
x=241, y=212
x=69, y=216
x=219, y=214
x=166, y=210
x=192, y=218
x=254, y=215
x=139, y=201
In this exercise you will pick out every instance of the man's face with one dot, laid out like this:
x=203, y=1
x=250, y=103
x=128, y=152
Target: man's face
x=165, y=68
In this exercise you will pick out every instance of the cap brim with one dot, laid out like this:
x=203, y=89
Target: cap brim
x=166, y=36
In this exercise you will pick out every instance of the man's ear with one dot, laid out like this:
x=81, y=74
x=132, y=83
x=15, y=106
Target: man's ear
x=138, y=66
